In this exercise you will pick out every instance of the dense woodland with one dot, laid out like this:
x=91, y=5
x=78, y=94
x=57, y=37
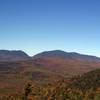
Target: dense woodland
x=85, y=87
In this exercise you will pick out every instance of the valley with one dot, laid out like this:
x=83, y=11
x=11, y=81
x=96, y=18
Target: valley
x=52, y=72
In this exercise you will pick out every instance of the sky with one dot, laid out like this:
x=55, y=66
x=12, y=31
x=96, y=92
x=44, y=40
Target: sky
x=43, y=25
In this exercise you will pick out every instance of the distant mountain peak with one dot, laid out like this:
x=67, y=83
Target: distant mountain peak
x=13, y=55
x=66, y=55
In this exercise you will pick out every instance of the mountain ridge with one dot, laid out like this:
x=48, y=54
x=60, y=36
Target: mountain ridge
x=13, y=55
x=66, y=55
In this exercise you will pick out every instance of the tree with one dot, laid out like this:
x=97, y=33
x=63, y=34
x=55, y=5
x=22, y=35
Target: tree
x=28, y=90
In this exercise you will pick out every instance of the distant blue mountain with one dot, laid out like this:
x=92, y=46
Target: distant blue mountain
x=66, y=55
x=18, y=55
x=7, y=55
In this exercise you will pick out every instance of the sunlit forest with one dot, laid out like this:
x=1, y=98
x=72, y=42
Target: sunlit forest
x=84, y=87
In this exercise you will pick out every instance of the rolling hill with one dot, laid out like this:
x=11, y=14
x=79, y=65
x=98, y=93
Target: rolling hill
x=66, y=63
x=88, y=80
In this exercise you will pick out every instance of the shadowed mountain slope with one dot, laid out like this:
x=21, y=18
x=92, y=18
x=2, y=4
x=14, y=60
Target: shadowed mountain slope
x=7, y=55
x=66, y=55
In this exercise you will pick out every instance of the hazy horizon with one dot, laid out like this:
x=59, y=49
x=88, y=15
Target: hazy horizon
x=43, y=25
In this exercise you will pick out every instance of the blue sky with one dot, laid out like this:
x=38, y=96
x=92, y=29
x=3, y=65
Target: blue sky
x=42, y=25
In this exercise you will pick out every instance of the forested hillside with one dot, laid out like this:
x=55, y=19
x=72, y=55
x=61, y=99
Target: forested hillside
x=85, y=87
